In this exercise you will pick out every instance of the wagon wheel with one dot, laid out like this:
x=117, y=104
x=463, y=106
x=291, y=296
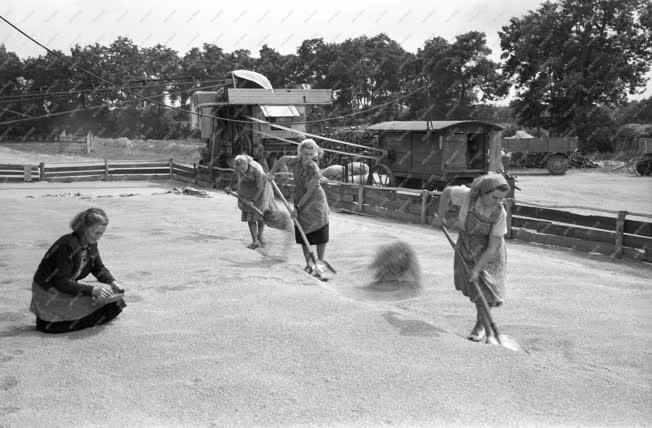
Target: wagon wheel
x=381, y=176
x=557, y=164
x=643, y=166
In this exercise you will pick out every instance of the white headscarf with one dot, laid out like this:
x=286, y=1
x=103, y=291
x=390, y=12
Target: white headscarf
x=310, y=144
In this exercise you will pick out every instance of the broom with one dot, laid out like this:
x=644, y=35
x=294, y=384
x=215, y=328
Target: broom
x=274, y=218
x=503, y=339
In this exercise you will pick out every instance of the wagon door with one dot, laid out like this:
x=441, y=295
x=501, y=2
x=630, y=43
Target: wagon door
x=454, y=149
x=477, y=152
x=426, y=157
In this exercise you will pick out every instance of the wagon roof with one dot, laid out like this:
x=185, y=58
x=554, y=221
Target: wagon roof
x=435, y=125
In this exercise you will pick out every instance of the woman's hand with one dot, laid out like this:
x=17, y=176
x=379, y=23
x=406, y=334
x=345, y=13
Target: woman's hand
x=295, y=212
x=102, y=291
x=117, y=288
x=475, y=275
x=439, y=221
x=270, y=176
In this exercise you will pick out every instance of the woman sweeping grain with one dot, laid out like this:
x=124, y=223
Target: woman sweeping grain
x=310, y=203
x=61, y=303
x=482, y=225
x=253, y=187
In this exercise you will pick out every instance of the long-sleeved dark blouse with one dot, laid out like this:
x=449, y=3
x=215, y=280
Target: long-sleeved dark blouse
x=68, y=261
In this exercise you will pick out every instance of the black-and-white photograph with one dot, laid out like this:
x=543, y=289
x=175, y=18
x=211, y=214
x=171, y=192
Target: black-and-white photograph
x=325, y=214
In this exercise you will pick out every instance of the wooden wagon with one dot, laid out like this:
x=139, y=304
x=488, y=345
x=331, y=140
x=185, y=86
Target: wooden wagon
x=432, y=154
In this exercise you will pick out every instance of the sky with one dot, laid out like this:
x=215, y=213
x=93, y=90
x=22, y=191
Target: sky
x=281, y=24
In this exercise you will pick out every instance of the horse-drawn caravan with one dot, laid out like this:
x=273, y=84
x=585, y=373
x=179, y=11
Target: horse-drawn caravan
x=431, y=154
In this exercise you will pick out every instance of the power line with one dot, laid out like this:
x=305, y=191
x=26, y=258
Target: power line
x=17, y=97
x=180, y=109
x=90, y=73
x=29, y=118
x=365, y=110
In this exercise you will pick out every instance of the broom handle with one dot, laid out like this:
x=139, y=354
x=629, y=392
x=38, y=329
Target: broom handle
x=296, y=222
x=246, y=202
x=485, y=305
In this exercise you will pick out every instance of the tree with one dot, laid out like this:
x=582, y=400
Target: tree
x=571, y=57
x=459, y=75
x=10, y=70
x=275, y=67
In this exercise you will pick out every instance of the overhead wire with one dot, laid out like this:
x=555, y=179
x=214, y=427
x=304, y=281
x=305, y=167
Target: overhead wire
x=55, y=54
x=29, y=118
x=16, y=97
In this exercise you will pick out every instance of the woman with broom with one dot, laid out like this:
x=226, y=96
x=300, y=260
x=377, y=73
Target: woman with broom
x=480, y=246
x=310, y=203
x=255, y=196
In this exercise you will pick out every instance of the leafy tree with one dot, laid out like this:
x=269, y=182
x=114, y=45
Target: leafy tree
x=459, y=75
x=275, y=67
x=569, y=57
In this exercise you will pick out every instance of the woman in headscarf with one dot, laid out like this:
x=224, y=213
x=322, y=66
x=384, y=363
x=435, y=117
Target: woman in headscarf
x=310, y=203
x=482, y=225
x=253, y=187
x=61, y=303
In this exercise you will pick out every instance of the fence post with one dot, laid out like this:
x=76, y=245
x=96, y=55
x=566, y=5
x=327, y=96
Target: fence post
x=41, y=171
x=620, y=229
x=106, y=170
x=360, y=206
x=509, y=203
x=171, y=175
x=27, y=172
x=424, y=206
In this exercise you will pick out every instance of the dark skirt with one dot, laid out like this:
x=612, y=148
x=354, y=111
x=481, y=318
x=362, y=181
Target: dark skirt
x=104, y=314
x=317, y=237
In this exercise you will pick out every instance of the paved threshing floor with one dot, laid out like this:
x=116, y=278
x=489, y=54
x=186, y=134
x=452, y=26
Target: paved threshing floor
x=218, y=334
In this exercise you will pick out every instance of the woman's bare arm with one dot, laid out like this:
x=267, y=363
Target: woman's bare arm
x=488, y=254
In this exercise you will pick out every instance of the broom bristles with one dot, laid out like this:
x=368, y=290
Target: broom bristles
x=396, y=264
x=277, y=219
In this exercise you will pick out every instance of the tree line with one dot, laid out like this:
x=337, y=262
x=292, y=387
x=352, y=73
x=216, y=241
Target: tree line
x=567, y=66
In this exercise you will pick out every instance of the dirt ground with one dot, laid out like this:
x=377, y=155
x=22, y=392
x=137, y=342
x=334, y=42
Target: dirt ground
x=596, y=188
x=216, y=334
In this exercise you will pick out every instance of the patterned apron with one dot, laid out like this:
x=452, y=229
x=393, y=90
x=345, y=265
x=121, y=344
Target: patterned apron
x=471, y=243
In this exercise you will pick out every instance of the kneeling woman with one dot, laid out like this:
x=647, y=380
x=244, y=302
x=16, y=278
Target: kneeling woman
x=60, y=303
x=310, y=203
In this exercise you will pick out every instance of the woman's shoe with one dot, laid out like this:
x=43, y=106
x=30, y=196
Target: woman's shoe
x=477, y=336
x=492, y=340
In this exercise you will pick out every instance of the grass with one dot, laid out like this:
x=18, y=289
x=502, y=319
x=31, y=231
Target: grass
x=121, y=149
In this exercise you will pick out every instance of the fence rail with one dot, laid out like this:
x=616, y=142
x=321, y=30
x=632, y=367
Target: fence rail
x=615, y=236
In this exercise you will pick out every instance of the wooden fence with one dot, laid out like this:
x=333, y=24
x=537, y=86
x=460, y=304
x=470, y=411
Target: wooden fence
x=16, y=173
x=614, y=235
x=73, y=144
x=87, y=171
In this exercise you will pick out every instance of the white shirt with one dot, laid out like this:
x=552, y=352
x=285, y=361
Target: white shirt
x=461, y=196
